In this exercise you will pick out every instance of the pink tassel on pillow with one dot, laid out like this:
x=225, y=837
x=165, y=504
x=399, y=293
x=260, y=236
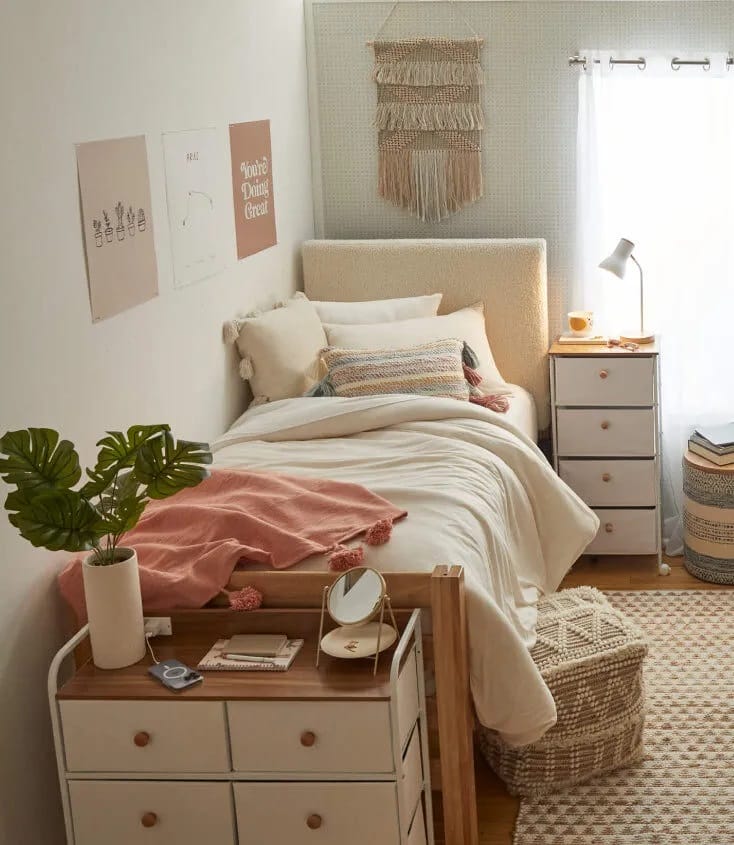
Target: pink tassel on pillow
x=248, y=598
x=495, y=402
x=471, y=375
x=379, y=533
x=345, y=558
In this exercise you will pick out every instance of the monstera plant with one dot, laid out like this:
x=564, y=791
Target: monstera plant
x=53, y=510
x=144, y=463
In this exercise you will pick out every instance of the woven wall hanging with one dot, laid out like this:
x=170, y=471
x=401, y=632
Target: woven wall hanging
x=429, y=120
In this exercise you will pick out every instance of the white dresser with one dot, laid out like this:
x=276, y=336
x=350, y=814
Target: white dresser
x=606, y=441
x=319, y=756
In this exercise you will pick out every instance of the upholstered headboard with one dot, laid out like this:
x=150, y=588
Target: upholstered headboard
x=508, y=275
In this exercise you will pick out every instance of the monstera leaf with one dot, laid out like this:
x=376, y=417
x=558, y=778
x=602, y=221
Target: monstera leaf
x=36, y=460
x=166, y=467
x=58, y=519
x=118, y=452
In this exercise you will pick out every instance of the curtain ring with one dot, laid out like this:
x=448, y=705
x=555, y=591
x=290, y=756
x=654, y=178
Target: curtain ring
x=706, y=64
x=611, y=63
x=674, y=63
x=642, y=64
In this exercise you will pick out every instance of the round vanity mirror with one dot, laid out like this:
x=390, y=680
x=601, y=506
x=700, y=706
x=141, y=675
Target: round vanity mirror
x=355, y=597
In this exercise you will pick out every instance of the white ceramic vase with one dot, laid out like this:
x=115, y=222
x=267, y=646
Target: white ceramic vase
x=115, y=610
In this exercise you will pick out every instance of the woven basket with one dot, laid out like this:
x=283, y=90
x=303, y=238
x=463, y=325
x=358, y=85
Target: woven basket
x=591, y=657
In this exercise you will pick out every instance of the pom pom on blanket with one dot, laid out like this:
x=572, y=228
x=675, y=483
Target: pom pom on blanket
x=246, y=371
x=379, y=533
x=248, y=598
x=232, y=331
x=471, y=375
x=345, y=558
x=495, y=402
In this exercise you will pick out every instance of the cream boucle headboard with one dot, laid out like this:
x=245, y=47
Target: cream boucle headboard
x=508, y=275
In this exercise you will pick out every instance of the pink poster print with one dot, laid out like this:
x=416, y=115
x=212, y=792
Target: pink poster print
x=252, y=186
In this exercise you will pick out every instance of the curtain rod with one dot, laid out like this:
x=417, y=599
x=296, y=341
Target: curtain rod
x=641, y=62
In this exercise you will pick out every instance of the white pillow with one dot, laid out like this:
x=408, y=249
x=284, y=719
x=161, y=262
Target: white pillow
x=378, y=310
x=280, y=349
x=467, y=324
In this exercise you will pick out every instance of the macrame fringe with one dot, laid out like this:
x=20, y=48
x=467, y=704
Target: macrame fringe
x=432, y=184
x=495, y=402
x=246, y=370
x=424, y=74
x=429, y=117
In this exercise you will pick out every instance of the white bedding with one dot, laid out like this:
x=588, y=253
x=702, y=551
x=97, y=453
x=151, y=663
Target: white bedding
x=478, y=492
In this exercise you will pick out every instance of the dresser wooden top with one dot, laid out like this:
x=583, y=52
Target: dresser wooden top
x=334, y=679
x=590, y=350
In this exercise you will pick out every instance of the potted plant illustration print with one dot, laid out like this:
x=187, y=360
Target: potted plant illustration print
x=97, y=231
x=141, y=219
x=130, y=221
x=120, y=211
x=108, y=231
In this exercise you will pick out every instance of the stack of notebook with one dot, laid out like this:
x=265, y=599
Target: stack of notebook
x=715, y=443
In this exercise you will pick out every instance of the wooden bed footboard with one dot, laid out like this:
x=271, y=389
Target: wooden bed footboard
x=441, y=592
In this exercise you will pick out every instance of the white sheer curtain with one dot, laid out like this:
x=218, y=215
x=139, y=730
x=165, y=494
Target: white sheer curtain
x=656, y=165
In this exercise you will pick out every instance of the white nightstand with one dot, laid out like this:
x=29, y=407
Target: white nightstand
x=606, y=441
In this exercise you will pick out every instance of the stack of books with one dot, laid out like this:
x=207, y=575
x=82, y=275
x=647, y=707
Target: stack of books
x=715, y=443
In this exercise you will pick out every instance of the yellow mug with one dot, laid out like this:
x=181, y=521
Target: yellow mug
x=581, y=323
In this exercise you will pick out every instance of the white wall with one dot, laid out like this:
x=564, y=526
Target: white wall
x=80, y=70
x=529, y=144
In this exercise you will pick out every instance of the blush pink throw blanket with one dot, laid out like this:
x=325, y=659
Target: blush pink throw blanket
x=189, y=544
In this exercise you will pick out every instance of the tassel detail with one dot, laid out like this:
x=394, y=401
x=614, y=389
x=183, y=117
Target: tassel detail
x=324, y=387
x=232, y=331
x=495, y=402
x=248, y=598
x=472, y=376
x=345, y=558
x=379, y=533
x=429, y=117
x=246, y=371
x=469, y=356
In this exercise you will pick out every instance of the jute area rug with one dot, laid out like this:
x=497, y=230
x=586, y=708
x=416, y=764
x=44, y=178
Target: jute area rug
x=683, y=792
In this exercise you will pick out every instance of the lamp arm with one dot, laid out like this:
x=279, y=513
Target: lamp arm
x=642, y=296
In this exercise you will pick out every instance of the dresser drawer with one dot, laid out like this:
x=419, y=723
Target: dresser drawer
x=605, y=381
x=319, y=813
x=600, y=432
x=612, y=482
x=151, y=813
x=625, y=532
x=144, y=736
x=310, y=736
x=411, y=784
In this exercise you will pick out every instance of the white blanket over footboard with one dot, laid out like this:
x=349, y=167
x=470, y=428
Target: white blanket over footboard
x=478, y=493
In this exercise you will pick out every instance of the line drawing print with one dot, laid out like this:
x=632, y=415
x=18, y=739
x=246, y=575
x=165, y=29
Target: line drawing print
x=189, y=194
x=130, y=221
x=108, y=232
x=97, y=232
x=120, y=212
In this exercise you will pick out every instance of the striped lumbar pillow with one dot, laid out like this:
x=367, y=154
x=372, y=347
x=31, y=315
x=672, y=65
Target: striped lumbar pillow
x=430, y=369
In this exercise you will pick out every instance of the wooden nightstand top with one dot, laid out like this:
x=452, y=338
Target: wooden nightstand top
x=589, y=350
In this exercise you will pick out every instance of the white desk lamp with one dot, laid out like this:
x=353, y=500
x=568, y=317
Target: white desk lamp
x=616, y=264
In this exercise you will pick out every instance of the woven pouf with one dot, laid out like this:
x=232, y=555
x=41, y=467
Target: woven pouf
x=708, y=519
x=591, y=657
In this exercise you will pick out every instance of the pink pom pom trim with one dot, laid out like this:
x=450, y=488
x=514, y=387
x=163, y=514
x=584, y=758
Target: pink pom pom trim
x=495, y=402
x=344, y=558
x=471, y=375
x=248, y=598
x=379, y=533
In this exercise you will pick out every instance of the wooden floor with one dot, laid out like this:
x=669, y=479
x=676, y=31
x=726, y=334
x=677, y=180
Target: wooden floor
x=497, y=810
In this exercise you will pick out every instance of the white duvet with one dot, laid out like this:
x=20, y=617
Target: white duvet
x=478, y=493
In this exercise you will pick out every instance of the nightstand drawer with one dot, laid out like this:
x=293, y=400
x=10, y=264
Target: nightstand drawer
x=151, y=813
x=319, y=813
x=605, y=381
x=625, y=532
x=612, y=482
x=145, y=736
x=310, y=736
x=605, y=432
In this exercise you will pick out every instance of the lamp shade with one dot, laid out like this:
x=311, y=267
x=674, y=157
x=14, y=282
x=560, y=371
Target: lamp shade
x=616, y=263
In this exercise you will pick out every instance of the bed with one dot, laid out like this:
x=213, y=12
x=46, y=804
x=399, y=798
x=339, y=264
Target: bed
x=490, y=526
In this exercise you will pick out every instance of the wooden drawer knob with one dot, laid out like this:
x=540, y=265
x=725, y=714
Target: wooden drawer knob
x=149, y=820
x=609, y=527
x=606, y=477
x=603, y=374
x=141, y=739
x=605, y=425
x=314, y=821
x=308, y=738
